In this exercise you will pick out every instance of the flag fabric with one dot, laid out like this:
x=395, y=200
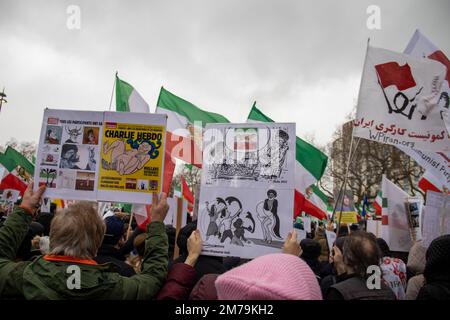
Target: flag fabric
x=181, y=115
x=128, y=99
x=365, y=205
x=392, y=73
x=309, y=167
x=429, y=181
x=398, y=101
x=395, y=225
x=187, y=193
x=17, y=170
x=436, y=165
x=378, y=204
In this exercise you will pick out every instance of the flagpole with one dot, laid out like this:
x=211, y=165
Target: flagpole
x=129, y=225
x=350, y=156
x=112, y=93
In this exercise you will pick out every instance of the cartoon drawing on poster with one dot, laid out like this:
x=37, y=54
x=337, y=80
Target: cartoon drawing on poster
x=72, y=134
x=78, y=157
x=267, y=211
x=53, y=135
x=47, y=177
x=248, y=154
x=131, y=156
x=247, y=193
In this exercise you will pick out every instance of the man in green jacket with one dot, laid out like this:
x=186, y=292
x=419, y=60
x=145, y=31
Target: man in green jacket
x=69, y=271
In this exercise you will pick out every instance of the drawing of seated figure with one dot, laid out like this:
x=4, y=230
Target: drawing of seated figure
x=126, y=161
x=273, y=156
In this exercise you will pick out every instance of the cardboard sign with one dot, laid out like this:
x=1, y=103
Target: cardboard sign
x=247, y=188
x=101, y=156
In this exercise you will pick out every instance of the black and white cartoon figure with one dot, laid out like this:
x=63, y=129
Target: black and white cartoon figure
x=239, y=231
x=274, y=156
x=91, y=162
x=218, y=207
x=73, y=133
x=267, y=213
x=228, y=217
x=69, y=157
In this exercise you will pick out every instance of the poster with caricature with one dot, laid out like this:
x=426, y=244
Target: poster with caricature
x=247, y=191
x=78, y=158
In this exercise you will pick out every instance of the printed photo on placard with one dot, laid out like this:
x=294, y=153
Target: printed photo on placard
x=66, y=179
x=90, y=135
x=50, y=159
x=85, y=181
x=78, y=157
x=47, y=177
x=53, y=134
x=72, y=134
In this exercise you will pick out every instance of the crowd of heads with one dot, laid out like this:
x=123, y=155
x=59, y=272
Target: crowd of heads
x=307, y=270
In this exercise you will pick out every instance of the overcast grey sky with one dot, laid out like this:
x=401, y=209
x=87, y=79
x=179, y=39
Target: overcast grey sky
x=300, y=60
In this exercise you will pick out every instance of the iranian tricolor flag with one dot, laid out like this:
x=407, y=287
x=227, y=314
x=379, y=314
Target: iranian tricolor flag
x=394, y=223
x=378, y=204
x=182, y=118
x=309, y=168
x=16, y=170
x=129, y=100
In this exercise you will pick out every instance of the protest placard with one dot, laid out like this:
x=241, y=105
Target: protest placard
x=436, y=217
x=331, y=238
x=374, y=226
x=307, y=224
x=348, y=217
x=247, y=188
x=104, y=156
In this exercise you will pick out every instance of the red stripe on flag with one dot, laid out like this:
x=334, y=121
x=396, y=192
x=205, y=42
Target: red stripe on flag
x=303, y=204
x=384, y=220
x=391, y=73
x=13, y=182
x=426, y=185
x=187, y=194
x=184, y=149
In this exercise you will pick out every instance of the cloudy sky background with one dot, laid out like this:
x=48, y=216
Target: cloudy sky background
x=300, y=60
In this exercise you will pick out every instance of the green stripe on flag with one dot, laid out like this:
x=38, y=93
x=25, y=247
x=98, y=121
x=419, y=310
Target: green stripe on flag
x=169, y=101
x=12, y=158
x=311, y=158
x=320, y=194
x=123, y=92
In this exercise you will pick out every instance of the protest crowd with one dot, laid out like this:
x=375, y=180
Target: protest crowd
x=258, y=228
x=141, y=267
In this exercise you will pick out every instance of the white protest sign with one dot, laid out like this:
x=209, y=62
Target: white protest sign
x=101, y=156
x=10, y=195
x=331, y=238
x=301, y=234
x=307, y=224
x=247, y=188
x=436, y=220
x=171, y=217
x=374, y=226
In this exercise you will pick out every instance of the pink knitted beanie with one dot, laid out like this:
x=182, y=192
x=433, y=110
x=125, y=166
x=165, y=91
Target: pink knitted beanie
x=276, y=276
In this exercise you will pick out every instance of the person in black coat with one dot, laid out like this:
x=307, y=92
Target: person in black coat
x=109, y=251
x=437, y=270
x=205, y=264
